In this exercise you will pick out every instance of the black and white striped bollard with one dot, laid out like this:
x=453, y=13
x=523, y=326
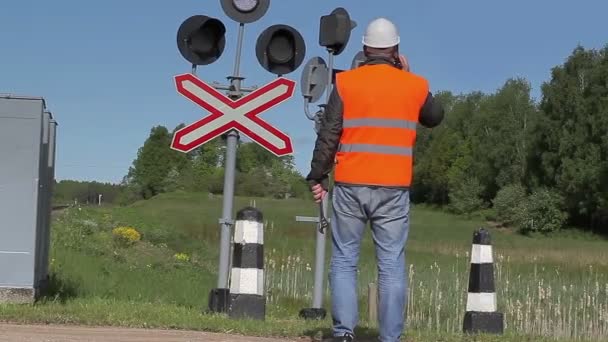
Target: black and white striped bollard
x=481, y=313
x=247, y=299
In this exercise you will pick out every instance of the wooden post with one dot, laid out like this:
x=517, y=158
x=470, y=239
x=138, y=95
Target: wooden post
x=372, y=304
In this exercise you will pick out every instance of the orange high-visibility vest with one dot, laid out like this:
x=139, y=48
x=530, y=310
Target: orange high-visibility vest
x=381, y=108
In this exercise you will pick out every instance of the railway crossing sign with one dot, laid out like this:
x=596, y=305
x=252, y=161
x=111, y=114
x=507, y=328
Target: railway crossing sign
x=227, y=114
x=280, y=49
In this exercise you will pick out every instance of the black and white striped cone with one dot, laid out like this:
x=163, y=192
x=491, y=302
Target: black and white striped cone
x=481, y=313
x=247, y=298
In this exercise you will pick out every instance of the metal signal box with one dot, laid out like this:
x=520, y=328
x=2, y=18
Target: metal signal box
x=27, y=175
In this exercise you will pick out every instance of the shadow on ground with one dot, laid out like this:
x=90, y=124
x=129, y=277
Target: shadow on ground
x=57, y=289
x=362, y=334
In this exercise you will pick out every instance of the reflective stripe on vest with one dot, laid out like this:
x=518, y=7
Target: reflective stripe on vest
x=381, y=108
x=384, y=149
x=374, y=122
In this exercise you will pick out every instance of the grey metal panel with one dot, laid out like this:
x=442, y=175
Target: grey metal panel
x=22, y=97
x=51, y=180
x=45, y=213
x=16, y=269
x=20, y=153
x=52, y=145
x=21, y=107
x=42, y=201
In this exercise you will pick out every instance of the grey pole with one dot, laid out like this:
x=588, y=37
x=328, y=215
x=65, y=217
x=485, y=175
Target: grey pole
x=229, y=173
x=320, y=247
x=330, y=67
x=317, y=298
x=317, y=312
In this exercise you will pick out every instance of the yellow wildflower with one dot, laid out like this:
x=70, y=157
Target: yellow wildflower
x=128, y=235
x=182, y=257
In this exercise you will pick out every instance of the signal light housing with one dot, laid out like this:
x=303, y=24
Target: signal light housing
x=280, y=49
x=201, y=39
x=335, y=29
x=245, y=11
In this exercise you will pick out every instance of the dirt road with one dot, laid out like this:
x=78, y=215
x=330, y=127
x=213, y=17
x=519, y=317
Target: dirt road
x=54, y=333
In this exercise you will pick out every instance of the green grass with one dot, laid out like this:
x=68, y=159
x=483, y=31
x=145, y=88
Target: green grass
x=554, y=286
x=96, y=312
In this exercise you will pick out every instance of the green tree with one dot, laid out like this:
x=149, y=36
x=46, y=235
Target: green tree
x=205, y=166
x=251, y=155
x=444, y=152
x=156, y=167
x=572, y=137
x=543, y=212
x=465, y=196
x=274, y=176
x=68, y=191
x=500, y=136
x=507, y=203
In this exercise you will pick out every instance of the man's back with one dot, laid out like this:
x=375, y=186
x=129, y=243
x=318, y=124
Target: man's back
x=382, y=84
x=375, y=90
x=381, y=105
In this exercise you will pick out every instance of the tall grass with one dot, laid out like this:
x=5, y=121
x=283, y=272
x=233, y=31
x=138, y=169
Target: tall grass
x=545, y=286
x=554, y=286
x=538, y=303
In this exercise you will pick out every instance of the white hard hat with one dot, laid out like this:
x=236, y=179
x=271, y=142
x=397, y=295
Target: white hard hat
x=381, y=33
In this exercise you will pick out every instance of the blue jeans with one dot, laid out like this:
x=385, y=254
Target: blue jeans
x=388, y=212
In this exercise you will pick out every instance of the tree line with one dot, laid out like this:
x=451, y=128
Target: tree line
x=69, y=192
x=158, y=169
x=535, y=166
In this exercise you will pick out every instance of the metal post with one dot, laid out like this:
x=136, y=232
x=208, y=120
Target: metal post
x=317, y=298
x=317, y=312
x=320, y=248
x=229, y=173
x=228, y=201
x=330, y=67
x=237, y=60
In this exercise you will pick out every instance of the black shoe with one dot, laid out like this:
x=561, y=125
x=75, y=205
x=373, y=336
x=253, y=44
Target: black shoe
x=346, y=338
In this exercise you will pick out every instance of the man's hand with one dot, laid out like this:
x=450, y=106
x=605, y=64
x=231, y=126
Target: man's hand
x=318, y=193
x=404, y=62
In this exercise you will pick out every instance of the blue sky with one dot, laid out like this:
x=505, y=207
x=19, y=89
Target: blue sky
x=106, y=67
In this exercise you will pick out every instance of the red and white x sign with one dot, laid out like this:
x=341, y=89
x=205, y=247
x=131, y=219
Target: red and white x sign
x=227, y=114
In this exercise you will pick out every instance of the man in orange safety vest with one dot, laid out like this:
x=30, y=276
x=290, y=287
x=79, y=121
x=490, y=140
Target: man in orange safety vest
x=368, y=133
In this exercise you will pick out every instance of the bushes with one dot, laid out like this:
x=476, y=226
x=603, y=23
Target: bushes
x=541, y=211
x=507, y=202
x=465, y=197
